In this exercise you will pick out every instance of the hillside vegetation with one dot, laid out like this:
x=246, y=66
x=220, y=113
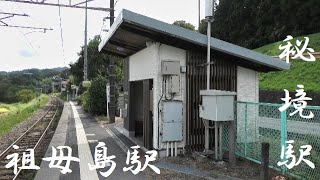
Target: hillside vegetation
x=18, y=112
x=301, y=72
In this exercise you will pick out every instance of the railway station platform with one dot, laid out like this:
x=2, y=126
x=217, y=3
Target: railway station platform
x=82, y=133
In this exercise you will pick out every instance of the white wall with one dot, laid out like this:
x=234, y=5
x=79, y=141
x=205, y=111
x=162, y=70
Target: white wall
x=146, y=64
x=247, y=91
x=247, y=85
x=143, y=64
x=173, y=54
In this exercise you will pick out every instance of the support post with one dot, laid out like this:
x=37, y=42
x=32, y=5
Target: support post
x=283, y=127
x=232, y=155
x=216, y=140
x=206, y=145
x=85, y=67
x=112, y=104
x=220, y=141
x=264, y=173
x=245, y=130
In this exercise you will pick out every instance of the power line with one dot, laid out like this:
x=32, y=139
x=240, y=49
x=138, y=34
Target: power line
x=108, y=17
x=25, y=27
x=25, y=38
x=60, y=5
x=13, y=14
x=61, y=34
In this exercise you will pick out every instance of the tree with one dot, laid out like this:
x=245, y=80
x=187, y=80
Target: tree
x=185, y=25
x=97, y=95
x=254, y=23
x=98, y=63
x=25, y=95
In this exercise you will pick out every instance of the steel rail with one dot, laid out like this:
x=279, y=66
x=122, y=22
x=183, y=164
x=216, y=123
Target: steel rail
x=17, y=140
x=40, y=139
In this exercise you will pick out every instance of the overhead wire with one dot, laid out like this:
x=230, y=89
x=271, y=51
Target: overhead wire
x=30, y=44
x=108, y=16
x=61, y=35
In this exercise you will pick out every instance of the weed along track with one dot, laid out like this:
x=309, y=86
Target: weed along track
x=33, y=138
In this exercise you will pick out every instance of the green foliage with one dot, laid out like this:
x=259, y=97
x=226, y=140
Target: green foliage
x=185, y=25
x=97, y=95
x=25, y=95
x=98, y=63
x=273, y=48
x=12, y=82
x=301, y=72
x=252, y=24
x=84, y=100
x=19, y=112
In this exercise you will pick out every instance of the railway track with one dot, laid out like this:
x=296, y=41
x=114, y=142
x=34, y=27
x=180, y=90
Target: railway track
x=31, y=139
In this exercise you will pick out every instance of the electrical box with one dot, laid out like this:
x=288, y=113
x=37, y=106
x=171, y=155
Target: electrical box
x=217, y=105
x=172, y=121
x=172, y=132
x=170, y=67
x=175, y=84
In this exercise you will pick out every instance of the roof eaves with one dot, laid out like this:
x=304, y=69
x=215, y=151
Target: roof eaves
x=194, y=37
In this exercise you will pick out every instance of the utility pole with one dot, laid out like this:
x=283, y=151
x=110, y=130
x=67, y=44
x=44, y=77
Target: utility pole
x=85, y=78
x=112, y=105
x=199, y=15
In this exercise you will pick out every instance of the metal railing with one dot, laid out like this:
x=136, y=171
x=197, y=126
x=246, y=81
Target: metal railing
x=263, y=122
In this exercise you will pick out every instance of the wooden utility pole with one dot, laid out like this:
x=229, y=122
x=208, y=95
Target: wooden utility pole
x=112, y=104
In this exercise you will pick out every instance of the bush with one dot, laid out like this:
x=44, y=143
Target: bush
x=25, y=95
x=84, y=100
x=97, y=95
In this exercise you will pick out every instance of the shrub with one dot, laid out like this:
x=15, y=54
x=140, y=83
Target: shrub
x=25, y=95
x=84, y=100
x=97, y=95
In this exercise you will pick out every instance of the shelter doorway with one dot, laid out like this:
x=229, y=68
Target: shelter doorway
x=141, y=109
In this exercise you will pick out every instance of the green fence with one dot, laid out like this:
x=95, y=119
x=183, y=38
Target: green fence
x=263, y=122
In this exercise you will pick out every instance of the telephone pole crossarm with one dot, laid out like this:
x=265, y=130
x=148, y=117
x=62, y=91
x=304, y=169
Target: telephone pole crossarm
x=60, y=5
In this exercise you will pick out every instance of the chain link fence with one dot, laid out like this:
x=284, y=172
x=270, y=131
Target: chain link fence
x=263, y=122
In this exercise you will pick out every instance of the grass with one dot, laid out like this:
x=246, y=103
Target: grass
x=273, y=49
x=301, y=72
x=18, y=112
x=3, y=110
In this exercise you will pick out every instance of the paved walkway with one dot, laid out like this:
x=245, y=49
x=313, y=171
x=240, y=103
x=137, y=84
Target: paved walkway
x=82, y=133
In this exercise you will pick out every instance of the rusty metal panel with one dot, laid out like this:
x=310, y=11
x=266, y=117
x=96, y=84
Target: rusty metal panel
x=222, y=77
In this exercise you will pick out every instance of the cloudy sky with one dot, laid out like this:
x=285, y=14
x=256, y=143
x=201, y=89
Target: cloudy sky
x=26, y=48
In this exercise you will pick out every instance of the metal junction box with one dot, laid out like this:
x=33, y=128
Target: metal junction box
x=170, y=68
x=172, y=121
x=217, y=105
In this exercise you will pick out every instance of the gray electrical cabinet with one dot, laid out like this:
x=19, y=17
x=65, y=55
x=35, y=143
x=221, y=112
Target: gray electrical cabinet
x=217, y=105
x=170, y=67
x=172, y=121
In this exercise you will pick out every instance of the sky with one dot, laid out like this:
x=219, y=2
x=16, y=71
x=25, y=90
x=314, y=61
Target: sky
x=27, y=48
